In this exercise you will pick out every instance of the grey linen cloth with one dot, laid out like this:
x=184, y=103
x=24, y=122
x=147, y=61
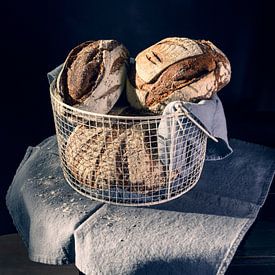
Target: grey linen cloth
x=45, y=209
x=197, y=233
x=177, y=136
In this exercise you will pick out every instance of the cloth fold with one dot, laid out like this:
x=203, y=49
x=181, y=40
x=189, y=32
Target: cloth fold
x=43, y=206
x=181, y=133
x=52, y=75
x=197, y=233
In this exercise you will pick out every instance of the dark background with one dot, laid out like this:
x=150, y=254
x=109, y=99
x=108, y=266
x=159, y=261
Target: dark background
x=37, y=36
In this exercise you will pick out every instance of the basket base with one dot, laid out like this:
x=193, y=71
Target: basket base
x=131, y=201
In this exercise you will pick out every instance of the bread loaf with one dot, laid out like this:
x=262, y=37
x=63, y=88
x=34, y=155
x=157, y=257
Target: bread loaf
x=113, y=158
x=93, y=75
x=176, y=69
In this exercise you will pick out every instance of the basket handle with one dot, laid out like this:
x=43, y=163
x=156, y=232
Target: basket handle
x=179, y=108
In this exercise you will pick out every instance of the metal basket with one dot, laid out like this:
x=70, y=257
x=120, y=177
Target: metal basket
x=139, y=160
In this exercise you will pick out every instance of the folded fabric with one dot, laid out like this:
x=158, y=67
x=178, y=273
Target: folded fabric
x=177, y=135
x=197, y=233
x=52, y=75
x=44, y=208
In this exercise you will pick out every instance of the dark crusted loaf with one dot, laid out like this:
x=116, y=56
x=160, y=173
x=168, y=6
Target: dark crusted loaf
x=93, y=75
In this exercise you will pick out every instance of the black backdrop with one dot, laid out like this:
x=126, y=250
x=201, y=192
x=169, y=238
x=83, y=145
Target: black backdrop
x=37, y=35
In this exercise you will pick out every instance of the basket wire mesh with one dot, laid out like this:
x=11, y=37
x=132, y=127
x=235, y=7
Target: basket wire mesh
x=129, y=160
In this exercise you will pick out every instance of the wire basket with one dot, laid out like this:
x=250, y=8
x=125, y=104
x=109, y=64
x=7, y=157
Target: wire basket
x=129, y=160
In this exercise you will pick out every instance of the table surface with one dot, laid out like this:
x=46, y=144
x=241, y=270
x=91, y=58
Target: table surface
x=14, y=260
x=256, y=252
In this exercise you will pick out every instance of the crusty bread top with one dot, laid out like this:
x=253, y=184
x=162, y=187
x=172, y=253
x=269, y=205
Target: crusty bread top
x=153, y=60
x=190, y=62
x=85, y=67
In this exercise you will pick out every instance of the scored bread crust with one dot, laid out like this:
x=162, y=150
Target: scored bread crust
x=93, y=75
x=176, y=69
x=105, y=158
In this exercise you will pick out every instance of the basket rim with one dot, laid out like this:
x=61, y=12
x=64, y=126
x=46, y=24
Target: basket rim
x=80, y=111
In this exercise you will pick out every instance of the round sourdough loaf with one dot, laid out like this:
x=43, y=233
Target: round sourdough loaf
x=93, y=75
x=106, y=158
x=176, y=69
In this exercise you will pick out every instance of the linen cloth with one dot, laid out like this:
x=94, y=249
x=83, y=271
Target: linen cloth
x=197, y=233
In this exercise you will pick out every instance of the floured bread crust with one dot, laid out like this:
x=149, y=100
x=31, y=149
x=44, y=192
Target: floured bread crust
x=176, y=69
x=93, y=75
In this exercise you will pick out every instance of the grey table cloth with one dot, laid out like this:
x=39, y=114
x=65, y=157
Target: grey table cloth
x=197, y=233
